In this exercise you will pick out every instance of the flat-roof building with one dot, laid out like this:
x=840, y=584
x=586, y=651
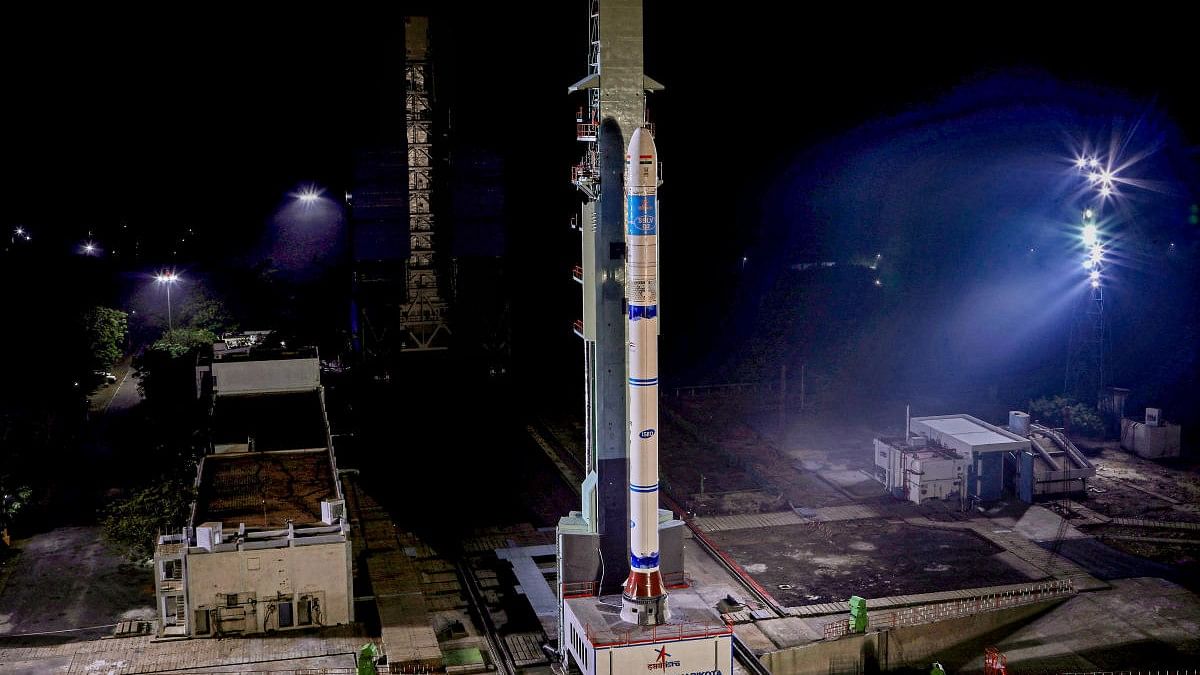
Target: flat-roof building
x=983, y=445
x=267, y=547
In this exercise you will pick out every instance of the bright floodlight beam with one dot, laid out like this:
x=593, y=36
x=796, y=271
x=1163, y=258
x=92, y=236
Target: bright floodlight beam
x=167, y=279
x=309, y=196
x=1090, y=234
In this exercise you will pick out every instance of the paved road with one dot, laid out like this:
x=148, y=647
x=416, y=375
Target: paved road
x=68, y=578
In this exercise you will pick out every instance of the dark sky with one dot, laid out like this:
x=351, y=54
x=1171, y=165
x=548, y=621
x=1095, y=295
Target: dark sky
x=208, y=120
x=203, y=116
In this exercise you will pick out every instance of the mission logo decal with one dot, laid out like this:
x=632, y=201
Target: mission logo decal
x=662, y=661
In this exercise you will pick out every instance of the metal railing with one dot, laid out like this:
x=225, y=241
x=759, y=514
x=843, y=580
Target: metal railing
x=1180, y=671
x=987, y=602
x=683, y=631
x=579, y=589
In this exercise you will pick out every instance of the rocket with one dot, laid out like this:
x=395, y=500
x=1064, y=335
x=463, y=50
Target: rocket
x=644, y=600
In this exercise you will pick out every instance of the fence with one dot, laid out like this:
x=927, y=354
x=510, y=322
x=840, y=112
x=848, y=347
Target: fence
x=1192, y=671
x=675, y=632
x=986, y=602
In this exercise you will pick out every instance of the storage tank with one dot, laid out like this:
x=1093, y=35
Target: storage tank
x=1018, y=422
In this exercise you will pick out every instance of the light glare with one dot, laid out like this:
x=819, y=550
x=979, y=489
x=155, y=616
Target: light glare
x=1089, y=234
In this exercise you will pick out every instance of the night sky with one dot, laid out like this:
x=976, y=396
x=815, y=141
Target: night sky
x=941, y=143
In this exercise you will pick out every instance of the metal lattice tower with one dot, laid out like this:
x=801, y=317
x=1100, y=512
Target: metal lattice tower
x=423, y=314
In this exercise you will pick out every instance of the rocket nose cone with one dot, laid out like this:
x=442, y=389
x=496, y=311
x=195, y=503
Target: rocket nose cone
x=641, y=143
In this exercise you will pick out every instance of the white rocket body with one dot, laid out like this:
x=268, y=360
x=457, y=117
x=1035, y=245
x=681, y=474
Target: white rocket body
x=644, y=599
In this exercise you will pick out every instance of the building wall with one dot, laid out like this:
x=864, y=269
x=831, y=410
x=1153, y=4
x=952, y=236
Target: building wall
x=905, y=647
x=269, y=577
x=1150, y=442
x=986, y=480
x=909, y=476
x=937, y=478
x=695, y=655
x=253, y=377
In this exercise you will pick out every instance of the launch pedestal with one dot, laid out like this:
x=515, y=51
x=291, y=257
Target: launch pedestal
x=598, y=641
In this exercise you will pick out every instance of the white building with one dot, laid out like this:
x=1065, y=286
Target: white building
x=917, y=471
x=268, y=546
x=983, y=445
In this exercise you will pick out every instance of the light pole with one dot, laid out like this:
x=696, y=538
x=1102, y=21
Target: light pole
x=167, y=279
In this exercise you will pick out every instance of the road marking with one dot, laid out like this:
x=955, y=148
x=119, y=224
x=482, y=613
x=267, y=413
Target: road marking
x=117, y=391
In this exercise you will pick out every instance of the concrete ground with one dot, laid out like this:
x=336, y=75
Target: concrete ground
x=68, y=579
x=1140, y=624
x=329, y=650
x=871, y=558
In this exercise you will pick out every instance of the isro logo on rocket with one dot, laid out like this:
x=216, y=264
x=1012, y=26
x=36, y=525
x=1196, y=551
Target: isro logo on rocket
x=646, y=433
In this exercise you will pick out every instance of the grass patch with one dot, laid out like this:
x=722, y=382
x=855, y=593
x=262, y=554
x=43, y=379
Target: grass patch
x=9, y=556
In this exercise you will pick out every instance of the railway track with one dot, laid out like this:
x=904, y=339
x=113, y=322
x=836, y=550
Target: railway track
x=499, y=651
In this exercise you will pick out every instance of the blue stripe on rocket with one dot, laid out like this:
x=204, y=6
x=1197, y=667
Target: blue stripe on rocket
x=648, y=562
x=642, y=312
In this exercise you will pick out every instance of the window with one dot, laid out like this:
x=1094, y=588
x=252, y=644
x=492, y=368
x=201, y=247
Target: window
x=202, y=622
x=284, y=610
x=231, y=600
x=172, y=570
x=173, y=610
x=304, y=614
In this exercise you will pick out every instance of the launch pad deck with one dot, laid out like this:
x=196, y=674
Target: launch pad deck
x=600, y=618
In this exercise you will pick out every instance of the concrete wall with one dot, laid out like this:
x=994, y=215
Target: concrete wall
x=1150, y=442
x=910, y=646
x=251, y=377
x=276, y=574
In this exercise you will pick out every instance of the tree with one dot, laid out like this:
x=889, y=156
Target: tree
x=204, y=312
x=105, y=330
x=1064, y=411
x=133, y=524
x=183, y=341
x=13, y=498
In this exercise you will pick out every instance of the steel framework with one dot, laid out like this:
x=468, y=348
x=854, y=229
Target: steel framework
x=423, y=315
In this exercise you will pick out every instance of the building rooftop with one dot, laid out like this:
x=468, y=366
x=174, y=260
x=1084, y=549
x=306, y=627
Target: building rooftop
x=966, y=433
x=265, y=489
x=276, y=421
x=229, y=353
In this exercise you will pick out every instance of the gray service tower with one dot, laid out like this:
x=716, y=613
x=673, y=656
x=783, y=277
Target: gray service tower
x=612, y=620
x=594, y=543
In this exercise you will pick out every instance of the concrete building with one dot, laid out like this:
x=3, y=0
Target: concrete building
x=267, y=547
x=918, y=471
x=983, y=445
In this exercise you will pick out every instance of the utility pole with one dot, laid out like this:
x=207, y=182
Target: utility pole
x=782, y=402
